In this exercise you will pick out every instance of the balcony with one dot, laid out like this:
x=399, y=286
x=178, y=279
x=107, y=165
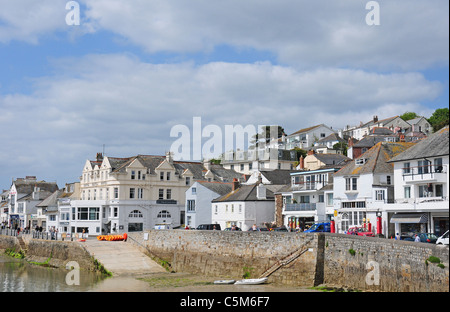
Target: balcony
x=421, y=203
x=429, y=173
x=307, y=186
x=300, y=207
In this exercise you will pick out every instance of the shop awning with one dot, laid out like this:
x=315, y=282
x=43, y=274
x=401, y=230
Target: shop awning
x=409, y=218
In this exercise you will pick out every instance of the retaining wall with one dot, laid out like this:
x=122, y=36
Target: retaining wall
x=374, y=264
x=59, y=252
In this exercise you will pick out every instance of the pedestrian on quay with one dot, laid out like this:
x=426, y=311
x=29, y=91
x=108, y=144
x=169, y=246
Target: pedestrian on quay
x=417, y=239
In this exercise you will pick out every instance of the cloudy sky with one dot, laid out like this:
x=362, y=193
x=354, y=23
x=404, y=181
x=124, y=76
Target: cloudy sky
x=133, y=69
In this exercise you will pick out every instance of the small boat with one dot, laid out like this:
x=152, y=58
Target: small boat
x=224, y=282
x=251, y=281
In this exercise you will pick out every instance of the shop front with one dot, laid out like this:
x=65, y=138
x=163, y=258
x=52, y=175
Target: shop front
x=408, y=224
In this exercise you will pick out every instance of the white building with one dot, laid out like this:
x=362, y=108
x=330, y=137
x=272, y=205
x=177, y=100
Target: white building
x=246, y=162
x=137, y=193
x=307, y=137
x=422, y=187
x=309, y=198
x=24, y=195
x=198, y=201
x=365, y=186
x=244, y=206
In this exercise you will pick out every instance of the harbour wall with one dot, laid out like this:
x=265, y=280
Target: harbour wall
x=364, y=263
x=54, y=253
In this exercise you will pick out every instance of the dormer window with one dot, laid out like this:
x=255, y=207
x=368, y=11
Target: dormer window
x=360, y=161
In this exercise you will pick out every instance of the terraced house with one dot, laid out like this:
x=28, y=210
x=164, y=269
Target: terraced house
x=137, y=193
x=422, y=187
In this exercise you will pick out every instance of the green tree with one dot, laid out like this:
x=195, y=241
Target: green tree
x=341, y=146
x=408, y=116
x=266, y=136
x=439, y=119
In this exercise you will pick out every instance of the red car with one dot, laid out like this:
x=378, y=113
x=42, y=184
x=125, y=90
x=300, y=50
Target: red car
x=359, y=231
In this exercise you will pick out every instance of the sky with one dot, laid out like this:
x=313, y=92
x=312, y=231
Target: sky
x=133, y=69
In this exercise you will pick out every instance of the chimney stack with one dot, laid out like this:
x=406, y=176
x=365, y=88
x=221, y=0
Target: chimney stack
x=99, y=157
x=301, y=162
x=235, y=185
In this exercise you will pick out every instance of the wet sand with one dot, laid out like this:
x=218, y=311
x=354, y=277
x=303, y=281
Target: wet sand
x=183, y=282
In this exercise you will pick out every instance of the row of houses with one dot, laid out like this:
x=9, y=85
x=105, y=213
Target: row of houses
x=392, y=173
x=402, y=184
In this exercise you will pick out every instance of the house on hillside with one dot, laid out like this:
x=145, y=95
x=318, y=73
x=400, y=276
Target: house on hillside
x=307, y=137
x=315, y=161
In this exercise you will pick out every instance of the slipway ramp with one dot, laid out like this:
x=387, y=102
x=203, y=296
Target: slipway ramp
x=121, y=258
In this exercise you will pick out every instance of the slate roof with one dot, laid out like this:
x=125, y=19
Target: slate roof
x=27, y=186
x=278, y=176
x=332, y=159
x=437, y=144
x=151, y=162
x=306, y=129
x=245, y=193
x=332, y=137
x=376, y=159
x=217, y=187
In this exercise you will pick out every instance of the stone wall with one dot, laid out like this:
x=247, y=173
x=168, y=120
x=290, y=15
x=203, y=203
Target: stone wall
x=58, y=253
x=232, y=254
x=354, y=261
x=364, y=263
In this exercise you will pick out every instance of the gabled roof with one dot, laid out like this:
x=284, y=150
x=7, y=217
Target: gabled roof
x=375, y=160
x=437, y=144
x=307, y=129
x=331, y=159
x=151, y=162
x=383, y=121
x=245, y=193
x=332, y=137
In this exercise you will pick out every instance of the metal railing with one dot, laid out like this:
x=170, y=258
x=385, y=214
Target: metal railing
x=300, y=207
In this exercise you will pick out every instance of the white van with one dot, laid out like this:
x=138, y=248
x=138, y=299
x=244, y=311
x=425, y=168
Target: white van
x=443, y=240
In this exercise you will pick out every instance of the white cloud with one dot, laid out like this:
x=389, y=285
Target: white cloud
x=130, y=106
x=28, y=20
x=412, y=35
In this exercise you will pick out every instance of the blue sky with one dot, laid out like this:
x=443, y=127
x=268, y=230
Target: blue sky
x=133, y=69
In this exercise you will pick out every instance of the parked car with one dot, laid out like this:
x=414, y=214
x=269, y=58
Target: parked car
x=209, y=227
x=443, y=240
x=319, y=227
x=360, y=231
x=424, y=238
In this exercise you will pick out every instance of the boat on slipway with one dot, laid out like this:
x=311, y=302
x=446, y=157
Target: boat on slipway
x=250, y=281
